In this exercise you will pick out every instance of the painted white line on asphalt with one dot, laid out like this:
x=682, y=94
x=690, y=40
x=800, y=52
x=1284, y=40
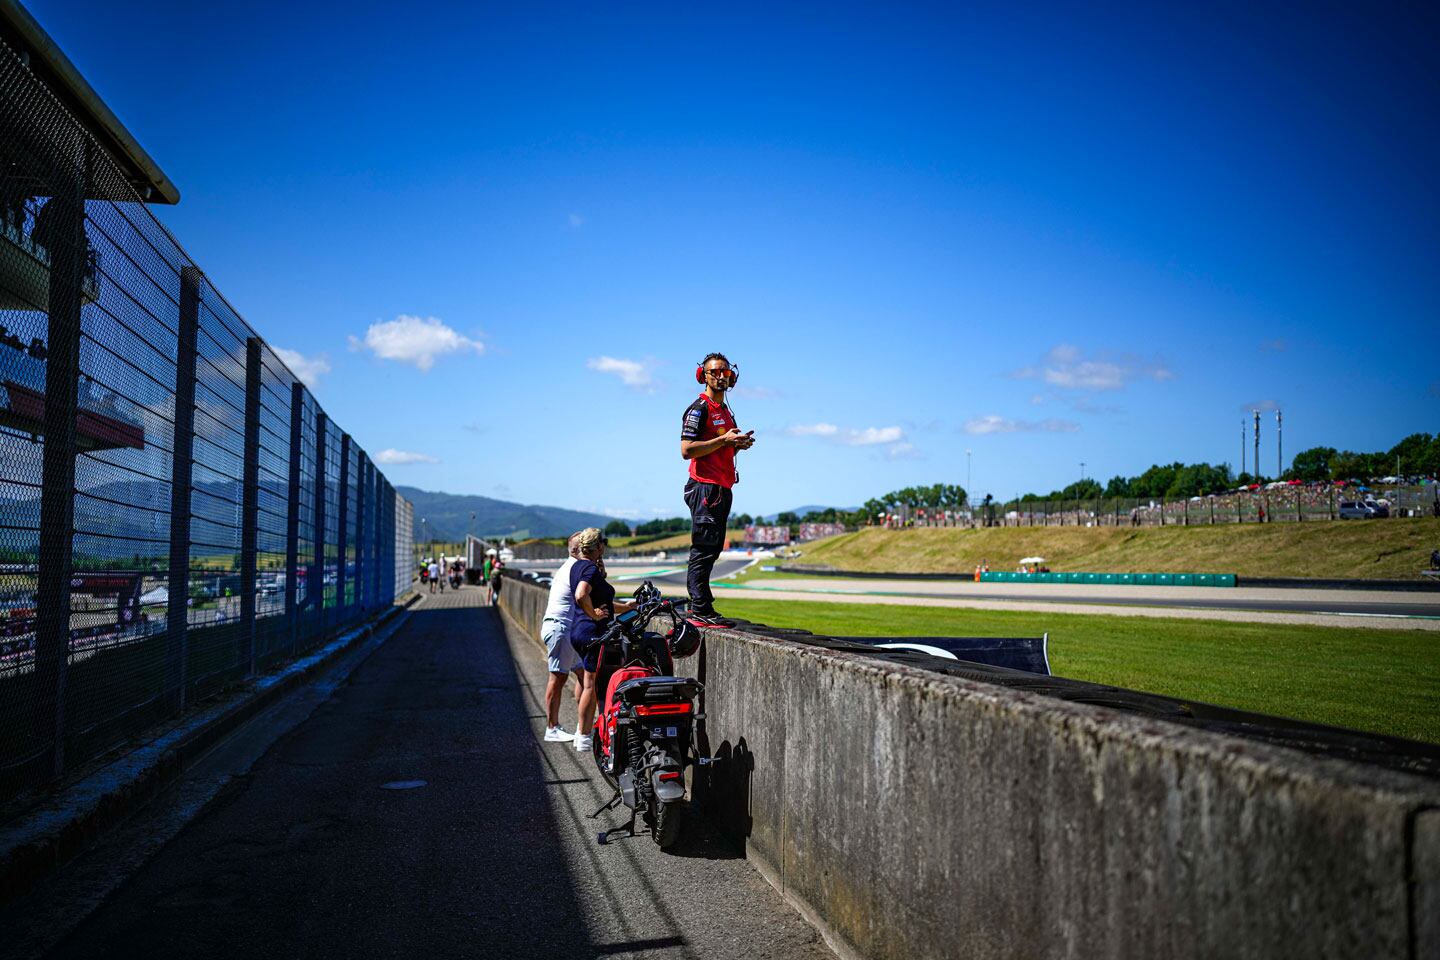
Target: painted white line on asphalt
x=649, y=573
x=1388, y=616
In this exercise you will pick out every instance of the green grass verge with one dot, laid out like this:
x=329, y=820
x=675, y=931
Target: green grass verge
x=1384, y=681
x=1379, y=549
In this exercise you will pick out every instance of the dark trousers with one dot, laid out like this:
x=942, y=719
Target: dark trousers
x=709, y=505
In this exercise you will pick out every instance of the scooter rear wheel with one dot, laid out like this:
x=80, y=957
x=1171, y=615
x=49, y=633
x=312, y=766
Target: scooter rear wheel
x=666, y=829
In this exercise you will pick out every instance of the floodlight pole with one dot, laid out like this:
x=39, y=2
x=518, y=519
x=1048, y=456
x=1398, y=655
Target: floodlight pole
x=1279, y=448
x=1257, y=445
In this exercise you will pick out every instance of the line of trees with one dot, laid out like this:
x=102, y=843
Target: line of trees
x=1416, y=455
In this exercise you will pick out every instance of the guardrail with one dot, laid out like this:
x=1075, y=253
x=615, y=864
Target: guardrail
x=911, y=814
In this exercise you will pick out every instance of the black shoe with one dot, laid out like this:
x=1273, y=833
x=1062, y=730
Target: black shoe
x=707, y=620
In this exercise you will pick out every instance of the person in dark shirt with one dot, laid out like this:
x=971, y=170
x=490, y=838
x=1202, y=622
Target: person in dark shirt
x=709, y=439
x=595, y=607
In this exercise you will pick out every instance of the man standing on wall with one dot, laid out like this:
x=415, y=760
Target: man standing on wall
x=709, y=439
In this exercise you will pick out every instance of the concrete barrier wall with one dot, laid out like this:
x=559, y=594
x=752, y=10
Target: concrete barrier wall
x=914, y=815
x=524, y=602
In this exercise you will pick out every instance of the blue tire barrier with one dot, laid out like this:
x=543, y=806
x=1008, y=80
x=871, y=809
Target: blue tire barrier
x=1123, y=579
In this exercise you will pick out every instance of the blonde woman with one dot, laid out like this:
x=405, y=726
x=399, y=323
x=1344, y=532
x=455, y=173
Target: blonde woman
x=595, y=606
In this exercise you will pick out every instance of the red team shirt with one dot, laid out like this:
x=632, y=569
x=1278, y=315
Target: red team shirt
x=705, y=420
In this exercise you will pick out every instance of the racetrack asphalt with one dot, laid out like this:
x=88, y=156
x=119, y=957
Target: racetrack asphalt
x=1398, y=610
x=308, y=855
x=1325, y=601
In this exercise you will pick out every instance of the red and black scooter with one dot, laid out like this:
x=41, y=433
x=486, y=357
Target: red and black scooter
x=643, y=737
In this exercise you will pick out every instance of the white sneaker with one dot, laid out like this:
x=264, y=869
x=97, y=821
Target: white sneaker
x=558, y=735
x=582, y=743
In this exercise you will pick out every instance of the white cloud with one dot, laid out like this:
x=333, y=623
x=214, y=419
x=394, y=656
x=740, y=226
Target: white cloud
x=850, y=437
x=415, y=340
x=1086, y=375
x=635, y=374
x=308, y=369
x=873, y=436
x=1264, y=406
x=576, y=220
x=756, y=393
x=1067, y=368
x=393, y=457
x=998, y=424
x=812, y=430
x=893, y=438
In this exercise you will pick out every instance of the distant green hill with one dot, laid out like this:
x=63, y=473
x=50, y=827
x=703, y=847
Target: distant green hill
x=447, y=517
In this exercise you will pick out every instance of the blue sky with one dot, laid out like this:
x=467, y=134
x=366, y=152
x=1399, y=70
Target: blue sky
x=499, y=238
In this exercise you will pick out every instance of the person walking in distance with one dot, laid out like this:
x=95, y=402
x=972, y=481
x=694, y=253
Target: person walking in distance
x=709, y=439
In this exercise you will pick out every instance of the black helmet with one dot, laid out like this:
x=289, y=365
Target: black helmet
x=683, y=639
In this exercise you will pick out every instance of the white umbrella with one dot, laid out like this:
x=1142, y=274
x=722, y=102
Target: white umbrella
x=1033, y=560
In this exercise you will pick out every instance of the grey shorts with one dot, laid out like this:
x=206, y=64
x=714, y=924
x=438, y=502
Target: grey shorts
x=560, y=656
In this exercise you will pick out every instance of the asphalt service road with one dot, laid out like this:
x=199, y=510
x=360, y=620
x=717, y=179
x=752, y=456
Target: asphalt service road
x=416, y=812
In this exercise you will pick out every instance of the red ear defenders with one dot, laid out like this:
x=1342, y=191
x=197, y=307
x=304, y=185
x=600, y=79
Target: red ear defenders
x=700, y=373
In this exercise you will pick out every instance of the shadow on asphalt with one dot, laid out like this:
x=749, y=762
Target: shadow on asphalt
x=308, y=857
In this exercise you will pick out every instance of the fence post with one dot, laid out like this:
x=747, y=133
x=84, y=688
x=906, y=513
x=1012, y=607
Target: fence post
x=382, y=505
x=362, y=539
x=385, y=503
x=341, y=608
x=56, y=560
x=315, y=589
x=292, y=517
x=1212, y=509
x=182, y=466
x=250, y=501
x=1162, y=511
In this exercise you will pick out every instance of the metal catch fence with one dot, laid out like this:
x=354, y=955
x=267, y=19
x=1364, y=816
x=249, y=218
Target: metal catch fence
x=176, y=511
x=1300, y=503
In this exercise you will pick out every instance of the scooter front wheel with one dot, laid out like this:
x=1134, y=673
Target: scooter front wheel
x=597, y=752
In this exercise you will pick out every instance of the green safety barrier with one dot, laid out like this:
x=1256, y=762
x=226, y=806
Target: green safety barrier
x=1139, y=579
